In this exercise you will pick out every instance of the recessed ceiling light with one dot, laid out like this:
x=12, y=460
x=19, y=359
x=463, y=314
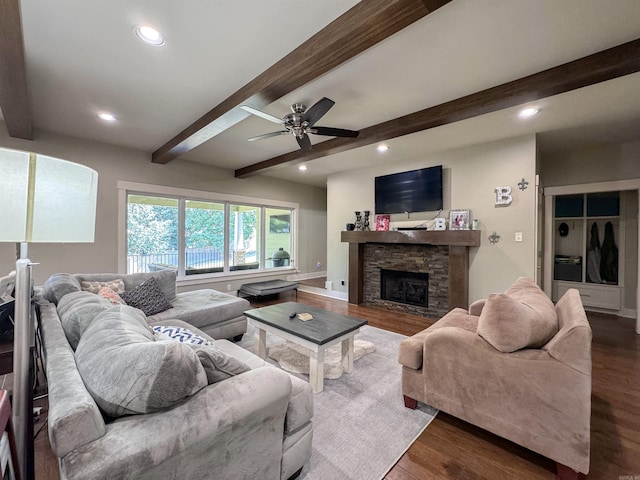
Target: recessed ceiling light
x=382, y=147
x=528, y=112
x=302, y=168
x=107, y=117
x=149, y=35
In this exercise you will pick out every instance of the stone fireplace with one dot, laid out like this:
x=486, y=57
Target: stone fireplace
x=413, y=267
x=410, y=288
x=442, y=255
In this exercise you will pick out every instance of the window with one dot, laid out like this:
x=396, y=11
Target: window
x=200, y=233
x=278, y=236
x=152, y=233
x=203, y=237
x=244, y=237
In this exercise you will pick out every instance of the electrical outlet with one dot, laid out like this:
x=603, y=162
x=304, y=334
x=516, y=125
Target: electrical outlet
x=518, y=236
x=228, y=287
x=318, y=265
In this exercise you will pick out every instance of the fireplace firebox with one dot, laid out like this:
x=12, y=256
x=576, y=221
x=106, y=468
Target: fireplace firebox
x=411, y=288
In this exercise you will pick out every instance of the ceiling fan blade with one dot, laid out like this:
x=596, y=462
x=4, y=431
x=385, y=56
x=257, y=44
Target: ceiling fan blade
x=317, y=111
x=267, y=135
x=304, y=142
x=264, y=115
x=334, y=132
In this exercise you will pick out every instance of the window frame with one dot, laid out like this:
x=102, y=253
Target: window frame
x=183, y=195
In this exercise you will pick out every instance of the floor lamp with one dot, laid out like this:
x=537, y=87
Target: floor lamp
x=42, y=200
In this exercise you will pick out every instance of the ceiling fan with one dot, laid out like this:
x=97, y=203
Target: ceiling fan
x=301, y=122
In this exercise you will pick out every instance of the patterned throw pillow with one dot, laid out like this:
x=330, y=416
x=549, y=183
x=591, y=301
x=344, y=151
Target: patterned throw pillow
x=181, y=334
x=111, y=295
x=116, y=285
x=147, y=297
x=217, y=365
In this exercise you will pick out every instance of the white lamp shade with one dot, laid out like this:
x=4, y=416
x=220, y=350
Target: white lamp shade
x=45, y=199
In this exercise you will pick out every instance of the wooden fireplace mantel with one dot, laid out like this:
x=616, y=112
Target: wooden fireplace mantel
x=458, y=241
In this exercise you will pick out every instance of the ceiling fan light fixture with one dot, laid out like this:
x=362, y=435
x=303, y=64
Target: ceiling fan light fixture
x=383, y=147
x=107, y=117
x=528, y=112
x=149, y=35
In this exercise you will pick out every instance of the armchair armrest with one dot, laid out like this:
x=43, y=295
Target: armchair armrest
x=477, y=306
x=410, y=351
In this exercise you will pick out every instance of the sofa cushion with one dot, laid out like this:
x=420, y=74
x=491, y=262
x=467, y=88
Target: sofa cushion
x=127, y=371
x=58, y=285
x=77, y=310
x=300, y=408
x=116, y=285
x=522, y=317
x=147, y=297
x=204, y=307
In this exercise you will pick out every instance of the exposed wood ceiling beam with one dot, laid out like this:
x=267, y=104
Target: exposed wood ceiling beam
x=364, y=25
x=599, y=67
x=14, y=99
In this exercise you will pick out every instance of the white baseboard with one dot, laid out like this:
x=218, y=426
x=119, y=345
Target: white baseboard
x=627, y=312
x=324, y=292
x=306, y=276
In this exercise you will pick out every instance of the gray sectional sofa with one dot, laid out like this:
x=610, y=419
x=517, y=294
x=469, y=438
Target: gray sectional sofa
x=128, y=402
x=218, y=314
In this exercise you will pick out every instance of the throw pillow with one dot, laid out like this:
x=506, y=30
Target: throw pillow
x=522, y=317
x=112, y=296
x=127, y=371
x=181, y=334
x=147, y=297
x=218, y=365
x=116, y=285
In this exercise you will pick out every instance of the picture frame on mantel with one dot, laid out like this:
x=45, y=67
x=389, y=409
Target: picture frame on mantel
x=459, y=220
x=382, y=223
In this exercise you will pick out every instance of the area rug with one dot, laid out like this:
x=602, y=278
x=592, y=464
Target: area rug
x=295, y=358
x=361, y=427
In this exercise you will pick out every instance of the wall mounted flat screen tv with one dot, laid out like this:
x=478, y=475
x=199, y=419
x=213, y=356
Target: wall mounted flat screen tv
x=413, y=191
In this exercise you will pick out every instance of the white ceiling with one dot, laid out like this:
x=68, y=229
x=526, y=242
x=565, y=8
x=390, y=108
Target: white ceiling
x=82, y=57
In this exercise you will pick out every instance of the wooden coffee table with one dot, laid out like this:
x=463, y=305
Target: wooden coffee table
x=324, y=330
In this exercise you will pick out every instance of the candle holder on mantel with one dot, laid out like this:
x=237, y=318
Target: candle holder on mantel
x=358, y=221
x=366, y=221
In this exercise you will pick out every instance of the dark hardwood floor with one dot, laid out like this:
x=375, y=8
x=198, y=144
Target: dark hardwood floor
x=452, y=449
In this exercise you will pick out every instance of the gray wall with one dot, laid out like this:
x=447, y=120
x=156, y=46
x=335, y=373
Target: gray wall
x=470, y=178
x=117, y=163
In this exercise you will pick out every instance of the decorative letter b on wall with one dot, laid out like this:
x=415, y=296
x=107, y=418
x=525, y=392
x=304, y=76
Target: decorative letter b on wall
x=503, y=196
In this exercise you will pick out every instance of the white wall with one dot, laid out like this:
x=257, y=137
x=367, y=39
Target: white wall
x=116, y=163
x=470, y=178
x=594, y=164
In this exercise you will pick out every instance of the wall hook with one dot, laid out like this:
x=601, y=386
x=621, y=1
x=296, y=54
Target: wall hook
x=494, y=238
